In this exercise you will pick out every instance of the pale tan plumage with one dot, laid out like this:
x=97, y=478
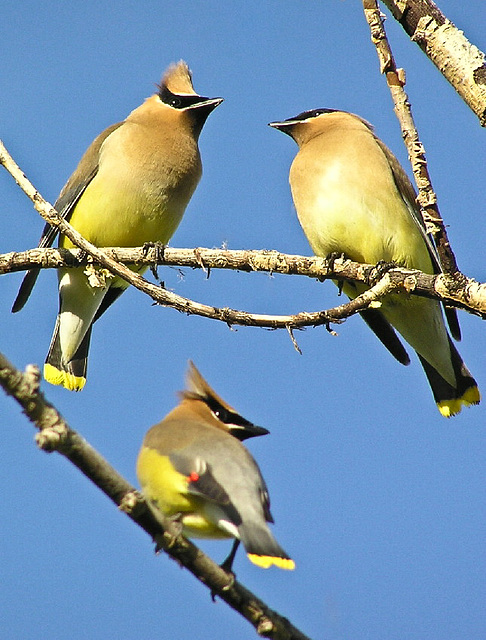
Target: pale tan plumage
x=131, y=187
x=353, y=197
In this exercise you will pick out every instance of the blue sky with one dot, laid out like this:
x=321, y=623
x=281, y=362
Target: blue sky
x=380, y=500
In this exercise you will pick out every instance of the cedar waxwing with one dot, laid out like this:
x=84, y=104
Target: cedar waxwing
x=131, y=187
x=193, y=467
x=353, y=197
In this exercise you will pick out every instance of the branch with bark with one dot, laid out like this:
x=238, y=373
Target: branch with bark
x=468, y=294
x=461, y=292
x=54, y=434
x=459, y=61
x=427, y=199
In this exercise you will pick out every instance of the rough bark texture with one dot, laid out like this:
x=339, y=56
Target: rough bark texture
x=461, y=63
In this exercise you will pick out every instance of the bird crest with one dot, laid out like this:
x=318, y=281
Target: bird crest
x=178, y=79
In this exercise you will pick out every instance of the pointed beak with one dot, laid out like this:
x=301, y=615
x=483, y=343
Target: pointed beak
x=201, y=110
x=208, y=104
x=258, y=431
x=246, y=431
x=285, y=126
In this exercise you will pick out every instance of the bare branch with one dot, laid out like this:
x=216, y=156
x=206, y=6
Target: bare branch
x=459, y=61
x=159, y=294
x=198, y=258
x=56, y=435
x=468, y=294
x=426, y=197
x=464, y=292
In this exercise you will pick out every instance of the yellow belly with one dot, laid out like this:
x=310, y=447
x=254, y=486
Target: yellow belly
x=168, y=489
x=119, y=217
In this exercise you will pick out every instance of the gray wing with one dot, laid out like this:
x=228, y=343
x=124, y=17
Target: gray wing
x=65, y=204
x=203, y=484
x=406, y=190
x=225, y=473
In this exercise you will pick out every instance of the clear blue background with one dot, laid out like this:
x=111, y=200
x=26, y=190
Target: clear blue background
x=379, y=499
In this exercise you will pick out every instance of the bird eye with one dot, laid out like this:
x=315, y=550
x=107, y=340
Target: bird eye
x=221, y=414
x=175, y=102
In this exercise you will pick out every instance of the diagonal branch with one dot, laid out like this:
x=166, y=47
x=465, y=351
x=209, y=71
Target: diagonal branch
x=459, y=61
x=56, y=435
x=396, y=80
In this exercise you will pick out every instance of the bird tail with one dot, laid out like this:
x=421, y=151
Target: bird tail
x=71, y=375
x=262, y=548
x=25, y=290
x=450, y=398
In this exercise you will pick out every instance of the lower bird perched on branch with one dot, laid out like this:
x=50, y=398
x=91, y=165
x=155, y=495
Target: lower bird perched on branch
x=353, y=197
x=193, y=467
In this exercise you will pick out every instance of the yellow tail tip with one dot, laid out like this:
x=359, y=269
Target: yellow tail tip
x=266, y=561
x=449, y=408
x=472, y=396
x=67, y=380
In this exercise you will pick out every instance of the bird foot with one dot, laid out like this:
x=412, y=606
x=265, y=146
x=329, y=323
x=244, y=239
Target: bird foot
x=159, y=248
x=331, y=259
x=376, y=273
x=227, y=568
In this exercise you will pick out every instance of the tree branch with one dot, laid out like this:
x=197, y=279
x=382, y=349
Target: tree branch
x=56, y=435
x=459, y=61
x=468, y=295
x=427, y=198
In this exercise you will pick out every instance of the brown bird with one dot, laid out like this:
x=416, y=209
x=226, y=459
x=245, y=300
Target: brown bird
x=353, y=197
x=193, y=467
x=131, y=187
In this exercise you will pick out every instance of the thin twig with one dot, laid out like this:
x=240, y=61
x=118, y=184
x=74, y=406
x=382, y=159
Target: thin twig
x=270, y=261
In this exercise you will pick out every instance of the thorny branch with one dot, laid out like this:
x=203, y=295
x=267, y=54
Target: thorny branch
x=55, y=435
